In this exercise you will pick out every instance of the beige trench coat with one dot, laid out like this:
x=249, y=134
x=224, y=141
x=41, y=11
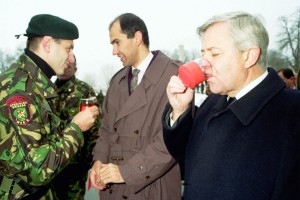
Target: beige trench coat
x=131, y=135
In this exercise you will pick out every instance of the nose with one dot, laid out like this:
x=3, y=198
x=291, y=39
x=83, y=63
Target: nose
x=206, y=64
x=71, y=57
x=115, y=51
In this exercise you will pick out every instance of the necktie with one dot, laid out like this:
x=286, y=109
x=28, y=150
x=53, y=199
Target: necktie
x=230, y=100
x=134, y=79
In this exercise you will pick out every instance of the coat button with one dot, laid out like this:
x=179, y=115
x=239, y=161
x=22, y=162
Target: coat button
x=115, y=129
x=147, y=177
x=124, y=197
x=136, y=131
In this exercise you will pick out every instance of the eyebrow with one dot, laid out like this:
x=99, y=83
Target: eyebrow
x=114, y=41
x=211, y=49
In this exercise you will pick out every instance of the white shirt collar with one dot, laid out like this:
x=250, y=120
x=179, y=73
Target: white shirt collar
x=143, y=66
x=250, y=86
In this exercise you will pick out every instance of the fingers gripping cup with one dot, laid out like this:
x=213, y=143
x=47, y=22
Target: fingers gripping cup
x=85, y=103
x=191, y=74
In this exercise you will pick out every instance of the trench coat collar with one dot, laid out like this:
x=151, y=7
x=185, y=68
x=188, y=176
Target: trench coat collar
x=157, y=64
x=248, y=107
x=152, y=75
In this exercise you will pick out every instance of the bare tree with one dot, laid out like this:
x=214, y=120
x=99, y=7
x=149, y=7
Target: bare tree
x=100, y=78
x=290, y=38
x=276, y=59
x=107, y=73
x=6, y=59
x=2, y=61
x=181, y=54
x=90, y=79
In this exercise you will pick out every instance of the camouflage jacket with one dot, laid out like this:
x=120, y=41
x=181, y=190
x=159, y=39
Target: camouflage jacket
x=70, y=184
x=69, y=97
x=68, y=105
x=33, y=144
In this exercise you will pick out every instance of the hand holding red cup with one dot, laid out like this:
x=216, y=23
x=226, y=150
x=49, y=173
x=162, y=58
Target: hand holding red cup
x=88, y=102
x=191, y=74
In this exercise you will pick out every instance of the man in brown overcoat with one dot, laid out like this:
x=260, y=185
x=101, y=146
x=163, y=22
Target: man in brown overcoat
x=130, y=157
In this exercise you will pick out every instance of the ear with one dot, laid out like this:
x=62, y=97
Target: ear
x=138, y=37
x=251, y=56
x=293, y=78
x=46, y=43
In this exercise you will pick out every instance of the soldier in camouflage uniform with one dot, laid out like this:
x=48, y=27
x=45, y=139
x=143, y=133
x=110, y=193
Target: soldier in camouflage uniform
x=34, y=146
x=70, y=184
x=100, y=98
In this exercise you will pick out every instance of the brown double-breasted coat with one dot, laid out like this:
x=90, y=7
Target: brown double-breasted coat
x=131, y=135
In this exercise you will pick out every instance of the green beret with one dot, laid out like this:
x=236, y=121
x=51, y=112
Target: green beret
x=45, y=24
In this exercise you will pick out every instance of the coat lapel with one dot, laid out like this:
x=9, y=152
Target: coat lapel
x=138, y=98
x=135, y=101
x=248, y=107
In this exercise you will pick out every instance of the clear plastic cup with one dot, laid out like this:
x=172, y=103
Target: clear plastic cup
x=88, y=102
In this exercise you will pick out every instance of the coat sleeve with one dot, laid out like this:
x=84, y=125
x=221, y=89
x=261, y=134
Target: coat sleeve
x=101, y=149
x=147, y=165
x=37, y=149
x=105, y=136
x=155, y=160
x=176, y=137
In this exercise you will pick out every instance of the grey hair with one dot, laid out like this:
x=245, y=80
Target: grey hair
x=246, y=31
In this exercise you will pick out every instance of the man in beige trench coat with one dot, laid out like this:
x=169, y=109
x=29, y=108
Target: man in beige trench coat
x=130, y=157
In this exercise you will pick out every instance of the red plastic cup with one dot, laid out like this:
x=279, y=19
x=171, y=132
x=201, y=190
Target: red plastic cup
x=85, y=103
x=191, y=73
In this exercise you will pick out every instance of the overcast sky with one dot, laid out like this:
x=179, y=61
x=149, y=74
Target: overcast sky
x=170, y=23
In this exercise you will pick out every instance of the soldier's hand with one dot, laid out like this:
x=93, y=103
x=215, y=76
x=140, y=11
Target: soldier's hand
x=86, y=119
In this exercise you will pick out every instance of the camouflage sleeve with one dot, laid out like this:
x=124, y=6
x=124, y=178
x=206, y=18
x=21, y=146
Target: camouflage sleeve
x=32, y=144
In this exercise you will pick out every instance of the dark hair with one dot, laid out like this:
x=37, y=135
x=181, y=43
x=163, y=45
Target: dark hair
x=130, y=24
x=33, y=42
x=287, y=72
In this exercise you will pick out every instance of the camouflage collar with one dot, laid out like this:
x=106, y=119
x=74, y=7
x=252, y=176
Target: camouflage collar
x=35, y=73
x=66, y=85
x=43, y=65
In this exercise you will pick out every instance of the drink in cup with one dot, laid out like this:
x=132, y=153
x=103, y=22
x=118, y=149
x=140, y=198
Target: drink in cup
x=88, y=102
x=191, y=74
